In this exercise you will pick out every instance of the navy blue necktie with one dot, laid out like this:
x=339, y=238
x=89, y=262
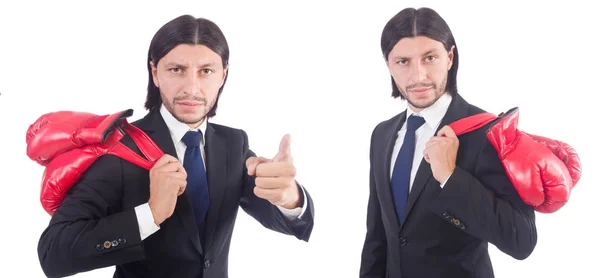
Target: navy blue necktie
x=403, y=166
x=197, y=184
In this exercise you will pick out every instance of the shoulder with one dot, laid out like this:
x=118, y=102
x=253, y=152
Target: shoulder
x=103, y=167
x=473, y=109
x=386, y=125
x=236, y=139
x=234, y=136
x=478, y=140
x=110, y=161
x=228, y=131
x=481, y=132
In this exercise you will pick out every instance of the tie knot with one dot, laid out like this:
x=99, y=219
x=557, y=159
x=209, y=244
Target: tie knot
x=192, y=138
x=414, y=122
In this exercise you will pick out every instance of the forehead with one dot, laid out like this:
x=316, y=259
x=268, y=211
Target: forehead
x=416, y=47
x=188, y=54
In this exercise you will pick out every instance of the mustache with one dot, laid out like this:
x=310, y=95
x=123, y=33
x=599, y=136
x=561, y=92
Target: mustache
x=421, y=85
x=190, y=98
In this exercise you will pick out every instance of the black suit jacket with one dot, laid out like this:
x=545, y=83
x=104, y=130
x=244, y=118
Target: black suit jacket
x=100, y=209
x=446, y=231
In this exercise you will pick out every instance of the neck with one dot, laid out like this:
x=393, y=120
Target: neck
x=196, y=125
x=419, y=109
x=415, y=109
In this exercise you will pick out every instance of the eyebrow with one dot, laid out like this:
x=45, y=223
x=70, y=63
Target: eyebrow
x=424, y=54
x=175, y=64
x=430, y=51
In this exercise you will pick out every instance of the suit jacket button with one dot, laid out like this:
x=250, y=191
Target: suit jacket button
x=114, y=243
x=122, y=241
x=456, y=222
x=107, y=244
x=206, y=263
x=99, y=247
x=402, y=241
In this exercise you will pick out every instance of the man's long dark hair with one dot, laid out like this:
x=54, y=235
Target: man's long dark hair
x=184, y=29
x=412, y=22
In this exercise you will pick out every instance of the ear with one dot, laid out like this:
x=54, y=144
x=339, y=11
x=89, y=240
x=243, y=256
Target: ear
x=154, y=72
x=450, y=57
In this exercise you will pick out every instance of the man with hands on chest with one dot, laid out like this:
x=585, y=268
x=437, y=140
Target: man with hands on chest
x=436, y=200
x=177, y=219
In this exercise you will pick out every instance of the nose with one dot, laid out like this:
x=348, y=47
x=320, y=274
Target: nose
x=193, y=84
x=418, y=72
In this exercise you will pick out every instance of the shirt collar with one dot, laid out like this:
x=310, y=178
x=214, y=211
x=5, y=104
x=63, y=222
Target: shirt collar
x=433, y=114
x=178, y=129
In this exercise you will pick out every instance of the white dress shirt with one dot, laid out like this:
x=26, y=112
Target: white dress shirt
x=177, y=130
x=433, y=117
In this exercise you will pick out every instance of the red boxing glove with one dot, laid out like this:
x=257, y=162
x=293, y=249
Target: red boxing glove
x=77, y=143
x=535, y=165
x=564, y=152
x=58, y=132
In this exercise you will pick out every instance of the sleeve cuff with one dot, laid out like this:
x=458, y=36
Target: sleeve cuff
x=295, y=213
x=444, y=183
x=145, y=221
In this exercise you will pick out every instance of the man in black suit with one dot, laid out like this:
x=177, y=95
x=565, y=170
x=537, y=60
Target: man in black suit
x=177, y=219
x=434, y=206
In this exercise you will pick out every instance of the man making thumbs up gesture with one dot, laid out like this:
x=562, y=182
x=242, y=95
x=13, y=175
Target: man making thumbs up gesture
x=275, y=178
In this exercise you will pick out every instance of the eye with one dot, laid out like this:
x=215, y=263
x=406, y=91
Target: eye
x=206, y=71
x=402, y=61
x=175, y=70
x=430, y=58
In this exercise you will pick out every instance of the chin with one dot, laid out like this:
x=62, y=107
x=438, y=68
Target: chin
x=189, y=118
x=422, y=102
x=193, y=120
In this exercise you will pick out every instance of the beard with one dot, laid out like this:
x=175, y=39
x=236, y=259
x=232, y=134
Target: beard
x=438, y=89
x=187, y=120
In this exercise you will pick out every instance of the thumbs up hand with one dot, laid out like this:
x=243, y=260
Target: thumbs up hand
x=275, y=178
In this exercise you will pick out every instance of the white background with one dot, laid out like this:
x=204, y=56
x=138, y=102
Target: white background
x=315, y=70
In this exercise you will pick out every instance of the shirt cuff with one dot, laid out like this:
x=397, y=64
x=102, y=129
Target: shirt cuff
x=295, y=213
x=444, y=183
x=145, y=221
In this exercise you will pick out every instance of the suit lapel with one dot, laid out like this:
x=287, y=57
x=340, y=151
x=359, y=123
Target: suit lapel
x=154, y=125
x=216, y=171
x=423, y=175
x=157, y=129
x=457, y=109
x=390, y=140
